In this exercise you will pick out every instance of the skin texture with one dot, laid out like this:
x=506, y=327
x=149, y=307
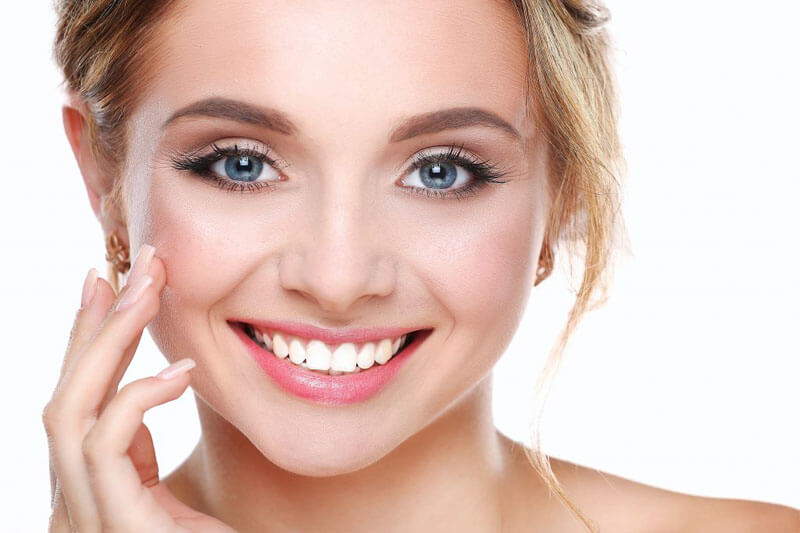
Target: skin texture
x=340, y=242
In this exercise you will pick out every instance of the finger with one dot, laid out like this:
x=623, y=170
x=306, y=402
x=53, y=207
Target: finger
x=59, y=517
x=76, y=405
x=89, y=316
x=53, y=482
x=142, y=265
x=64, y=430
x=115, y=481
x=68, y=418
x=143, y=456
x=157, y=271
x=124, y=363
x=98, y=369
x=96, y=307
x=71, y=488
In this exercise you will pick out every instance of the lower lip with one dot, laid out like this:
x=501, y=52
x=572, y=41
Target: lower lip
x=324, y=389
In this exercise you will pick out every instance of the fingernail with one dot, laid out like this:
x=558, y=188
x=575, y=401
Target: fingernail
x=142, y=262
x=177, y=368
x=134, y=292
x=89, y=287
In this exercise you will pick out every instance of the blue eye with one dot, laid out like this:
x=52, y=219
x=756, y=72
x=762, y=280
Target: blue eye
x=239, y=167
x=438, y=175
x=450, y=174
x=233, y=168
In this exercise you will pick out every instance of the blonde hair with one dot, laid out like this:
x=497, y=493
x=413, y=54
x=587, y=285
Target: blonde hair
x=571, y=79
x=570, y=89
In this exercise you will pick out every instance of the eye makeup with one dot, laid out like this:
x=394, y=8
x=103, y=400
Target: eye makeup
x=482, y=172
x=201, y=164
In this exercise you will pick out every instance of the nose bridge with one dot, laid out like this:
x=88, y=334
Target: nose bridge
x=341, y=239
x=341, y=260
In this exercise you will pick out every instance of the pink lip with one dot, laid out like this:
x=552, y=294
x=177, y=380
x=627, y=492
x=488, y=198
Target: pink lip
x=324, y=389
x=328, y=336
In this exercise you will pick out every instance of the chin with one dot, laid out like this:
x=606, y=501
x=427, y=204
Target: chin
x=322, y=458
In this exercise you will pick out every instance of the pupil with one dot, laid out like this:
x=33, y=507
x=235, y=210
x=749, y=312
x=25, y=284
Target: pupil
x=438, y=175
x=243, y=168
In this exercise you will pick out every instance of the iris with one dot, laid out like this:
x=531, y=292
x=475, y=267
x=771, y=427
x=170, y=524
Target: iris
x=243, y=168
x=438, y=175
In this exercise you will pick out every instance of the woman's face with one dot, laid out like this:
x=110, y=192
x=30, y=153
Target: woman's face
x=338, y=232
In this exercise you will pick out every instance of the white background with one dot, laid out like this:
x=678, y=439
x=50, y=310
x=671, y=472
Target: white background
x=686, y=380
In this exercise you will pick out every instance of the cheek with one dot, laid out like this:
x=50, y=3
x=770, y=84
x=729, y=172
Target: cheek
x=482, y=269
x=492, y=273
x=481, y=273
x=207, y=250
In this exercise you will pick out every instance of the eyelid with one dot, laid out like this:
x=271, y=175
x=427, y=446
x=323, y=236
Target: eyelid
x=200, y=161
x=231, y=146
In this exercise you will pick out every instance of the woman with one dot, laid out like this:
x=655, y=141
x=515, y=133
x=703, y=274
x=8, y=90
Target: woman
x=389, y=179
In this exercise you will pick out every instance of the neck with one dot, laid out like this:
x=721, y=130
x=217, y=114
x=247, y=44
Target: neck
x=448, y=476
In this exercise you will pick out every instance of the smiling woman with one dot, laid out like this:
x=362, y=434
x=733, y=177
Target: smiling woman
x=383, y=197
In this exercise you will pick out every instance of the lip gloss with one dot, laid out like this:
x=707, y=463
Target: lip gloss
x=324, y=389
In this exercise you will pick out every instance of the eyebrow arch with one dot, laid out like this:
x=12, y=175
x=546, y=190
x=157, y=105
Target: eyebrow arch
x=273, y=119
x=452, y=118
x=225, y=108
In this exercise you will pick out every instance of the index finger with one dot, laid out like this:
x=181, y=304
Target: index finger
x=98, y=368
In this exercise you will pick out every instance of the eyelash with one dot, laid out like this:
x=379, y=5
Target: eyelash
x=201, y=165
x=482, y=171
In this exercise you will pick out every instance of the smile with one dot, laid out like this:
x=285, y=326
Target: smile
x=328, y=366
x=334, y=360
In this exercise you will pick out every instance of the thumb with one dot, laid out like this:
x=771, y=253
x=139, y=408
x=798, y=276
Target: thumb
x=143, y=455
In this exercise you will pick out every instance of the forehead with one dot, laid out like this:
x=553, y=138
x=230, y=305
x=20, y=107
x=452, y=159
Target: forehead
x=345, y=62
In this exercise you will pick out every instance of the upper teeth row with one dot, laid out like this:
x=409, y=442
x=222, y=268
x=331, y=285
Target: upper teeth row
x=320, y=356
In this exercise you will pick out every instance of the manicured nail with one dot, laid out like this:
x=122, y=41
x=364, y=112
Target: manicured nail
x=177, y=368
x=134, y=292
x=142, y=262
x=89, y=287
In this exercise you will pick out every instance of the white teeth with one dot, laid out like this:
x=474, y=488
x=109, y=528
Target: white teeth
x=267, y=342
x=318, y=356
x=344, y=357
x=366, y=355
x=281, y=348
x=383, y=352
x=297, y=352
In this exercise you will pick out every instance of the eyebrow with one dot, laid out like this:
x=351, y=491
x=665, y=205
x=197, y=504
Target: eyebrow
x=273, y=119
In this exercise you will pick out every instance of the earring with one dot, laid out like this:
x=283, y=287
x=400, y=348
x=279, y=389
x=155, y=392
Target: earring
x=546, y=261
x=117, y=253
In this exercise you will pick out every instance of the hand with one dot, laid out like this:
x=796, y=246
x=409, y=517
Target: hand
x=103, y=469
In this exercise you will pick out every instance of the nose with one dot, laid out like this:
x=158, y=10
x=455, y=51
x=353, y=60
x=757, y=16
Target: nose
x=337, y=258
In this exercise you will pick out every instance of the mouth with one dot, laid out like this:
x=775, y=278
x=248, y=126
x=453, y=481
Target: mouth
x=329, y=367
x=330, y=358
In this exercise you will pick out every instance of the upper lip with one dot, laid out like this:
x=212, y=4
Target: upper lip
x=328, y=336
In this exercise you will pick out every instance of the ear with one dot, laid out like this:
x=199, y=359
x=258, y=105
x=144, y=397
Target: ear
x=547, y=257
x=75, y=115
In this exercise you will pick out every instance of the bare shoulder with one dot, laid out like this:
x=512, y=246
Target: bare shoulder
x=619, y=505
x=623, y=505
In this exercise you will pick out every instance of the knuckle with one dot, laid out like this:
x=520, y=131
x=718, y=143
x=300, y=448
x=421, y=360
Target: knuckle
x=128, y=392
x=60, y=412
x=52, y=416
x=129, y=396
x=92, y=446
